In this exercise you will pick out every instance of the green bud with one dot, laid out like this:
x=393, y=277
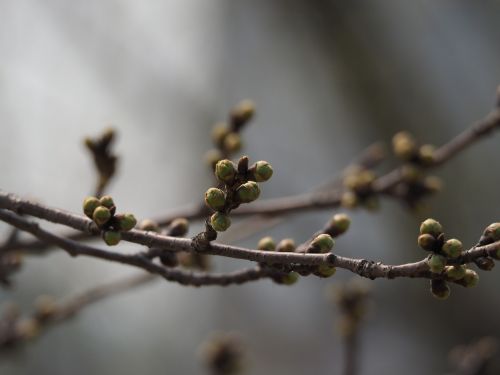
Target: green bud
x=89, y=205
x=126, y=222
x=325, y=270
x=338, y=224
x=225, y=170
x=266, y=243
x=431, y=226
x=243, y=112
x=149, y=225
x=290, y=278
x=232, y=143
x=453, y=248
x=286, y=245
x=220, y=222
x=263, y=171
x=101, y=215
x=219, y=132
x=426, y=154
x=427, y=242
x=440, y=289
x=178, y=227
x=404, y=146
x=436, y=263
x=493, y=232
x=215, y=199
x=455, y=272
x=470, y=279
x=107, y=201
x=248, y=192
x=323, y=243
x=111, y=237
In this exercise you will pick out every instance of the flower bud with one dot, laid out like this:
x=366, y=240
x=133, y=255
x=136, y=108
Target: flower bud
x=126, y=221
x=427, y=242
x=290, y=278
x=325, y=270
x=404, y=146
x=242, y=113
x=262, y=171
x=433, y=184
x=349, y=200
x=111, y=237
x=322, y=243
x=436, y=263
x=491, y=234
x=215, y=199
x=455, y=272
x=411, y=174
x=470, y=279
x=89, y=205
x=225, y=170
x=178, y=227
x=220, y=221
x=107, y=201
x=338, y=224
x=440, y=289
x=149, y=225
x=426, y=154
x=232, y=143
x=266, y=243
x=286, y=245
x=453, y=248
x=219, y=132
x=101, y=215
x=432, y=227
x=248, y=192
x=486, y=264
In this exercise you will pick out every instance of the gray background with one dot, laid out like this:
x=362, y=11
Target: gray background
x=329, y=78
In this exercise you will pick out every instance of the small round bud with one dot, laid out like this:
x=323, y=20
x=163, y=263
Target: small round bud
x=101, y=215
x=338, y=224
x=215, y=199
x=126, y=222
x=290, y=278
x=169, y=259
x=452, y=248
x=220, y=222
x=426, y=154
x=486, y=264
x=248, y=192
x=322, y=243
x=89, y=205
x=492, y=232
x=219, y=132
x=436, y=263
x=178, y=227
x=455, y=272
x=432, y=227
x=149, y=225
x=404, y=146
x=27, y=328
x=286, y=245
x=349, y=200
x=45, y=306
x=325, y=270
x=440, y=289
x=263, y=171
x=243, y=112
x=470, y=279
x=111, y=237
x=411, y=173
x=266, y=243
x=427, y=242
x=232, y=143
x=225, y=170
x=433, y=184
x=107, y=201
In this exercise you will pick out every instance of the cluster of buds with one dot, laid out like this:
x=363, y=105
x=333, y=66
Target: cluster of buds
x=416, y=184
x=358, y=182
x=226, y=136
x=238, y=184
x=444, y=251
x=102, y=212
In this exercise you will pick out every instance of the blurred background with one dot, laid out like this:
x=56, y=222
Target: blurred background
x=328, y=78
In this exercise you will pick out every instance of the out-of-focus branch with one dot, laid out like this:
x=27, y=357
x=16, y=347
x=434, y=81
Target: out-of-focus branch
x=473, y=359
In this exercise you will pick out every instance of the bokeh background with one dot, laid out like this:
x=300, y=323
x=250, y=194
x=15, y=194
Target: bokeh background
x=329, y=78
